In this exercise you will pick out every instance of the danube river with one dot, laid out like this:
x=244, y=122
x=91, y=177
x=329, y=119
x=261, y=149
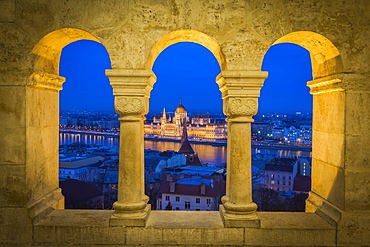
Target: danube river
x=207, y=153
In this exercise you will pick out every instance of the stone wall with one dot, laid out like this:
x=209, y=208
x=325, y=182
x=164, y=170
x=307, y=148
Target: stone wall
x=239, y=33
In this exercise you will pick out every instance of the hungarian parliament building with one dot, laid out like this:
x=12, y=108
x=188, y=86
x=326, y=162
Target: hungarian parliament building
x=200, y=128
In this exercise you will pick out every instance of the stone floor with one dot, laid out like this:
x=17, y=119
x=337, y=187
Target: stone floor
x=182, y=228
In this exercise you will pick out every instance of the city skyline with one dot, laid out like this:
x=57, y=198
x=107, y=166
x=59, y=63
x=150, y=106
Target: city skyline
x=180, y=75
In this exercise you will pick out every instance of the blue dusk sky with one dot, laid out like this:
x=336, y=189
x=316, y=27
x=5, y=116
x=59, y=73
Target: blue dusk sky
x=184, y=71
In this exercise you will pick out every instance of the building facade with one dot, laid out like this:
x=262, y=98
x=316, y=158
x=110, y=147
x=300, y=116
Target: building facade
x=200, y=127
x=80, y=168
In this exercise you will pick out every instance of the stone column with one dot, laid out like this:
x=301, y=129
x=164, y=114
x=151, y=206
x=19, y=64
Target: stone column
x=240, y=92
x=340, y=191
x=131, y=90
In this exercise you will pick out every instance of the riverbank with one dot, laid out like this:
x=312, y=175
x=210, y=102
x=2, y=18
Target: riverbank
x=221, y=143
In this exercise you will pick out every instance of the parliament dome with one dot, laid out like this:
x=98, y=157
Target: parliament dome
x=180, y=108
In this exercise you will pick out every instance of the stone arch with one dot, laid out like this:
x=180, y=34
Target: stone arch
x=186, y=35
x=325, y=57
x=42, y=103
x=329, y=110
x=46, y=53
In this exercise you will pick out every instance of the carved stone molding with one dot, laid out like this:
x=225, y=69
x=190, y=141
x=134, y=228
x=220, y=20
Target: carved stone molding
x=46, y=81
x=241, y=83
x=240, y=108
x=340, y=82
x=325, y=85
x=129, y=105
x=126, y=82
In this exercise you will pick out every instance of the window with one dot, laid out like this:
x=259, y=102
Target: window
x=290, y=177
x=278, y=182
x=272, y=176
x=167, y=198
x=208, y=201
x=272, y=182
x=177, y=198
x=290, y=183
x=284, y=177
x=284, y=182
x=187, y=205
x=197, y=200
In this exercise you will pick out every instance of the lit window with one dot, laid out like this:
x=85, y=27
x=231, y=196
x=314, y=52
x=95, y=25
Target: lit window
x=272, y=176
x=272, y=182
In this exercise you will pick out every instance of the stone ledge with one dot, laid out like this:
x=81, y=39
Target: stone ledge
x=190, y=228
x=78, y=227
x=185, y=219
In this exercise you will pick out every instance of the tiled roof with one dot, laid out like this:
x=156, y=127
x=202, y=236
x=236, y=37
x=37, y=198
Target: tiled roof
x=302, y=183
x=194, y=189
x=78, y=163
x=77, y=191
x=281, y=168
x=111, y=177
x=186, y=148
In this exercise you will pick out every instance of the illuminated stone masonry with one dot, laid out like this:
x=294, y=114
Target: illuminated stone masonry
x=238, y=33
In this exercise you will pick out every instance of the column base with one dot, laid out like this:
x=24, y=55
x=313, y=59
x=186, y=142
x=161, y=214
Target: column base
x=352, y=227
x=243, y=220
x=323, y=208
x=125, y=218
x=40, y=208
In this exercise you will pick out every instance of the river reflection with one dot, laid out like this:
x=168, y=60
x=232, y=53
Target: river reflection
x=208, y=154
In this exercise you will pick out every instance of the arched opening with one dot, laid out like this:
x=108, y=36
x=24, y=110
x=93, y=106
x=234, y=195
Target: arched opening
x=186, y=72
x=86, y=119
x=281, y=132
x=186, y=35
x=177, y=42
x=43, y=118
x=46, y=53
x=325, y=57
x=328, y=117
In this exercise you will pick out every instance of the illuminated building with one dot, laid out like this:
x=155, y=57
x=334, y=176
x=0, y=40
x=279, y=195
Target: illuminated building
x=200, y=128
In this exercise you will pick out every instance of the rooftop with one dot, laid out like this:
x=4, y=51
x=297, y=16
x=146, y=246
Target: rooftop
x=78, y=162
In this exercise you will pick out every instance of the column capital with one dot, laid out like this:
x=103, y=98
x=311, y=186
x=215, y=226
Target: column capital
x=240, y=109
x=131, y=89
x=240, y=92
x=130, y=108
x=130, y=82
x=240, y=83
